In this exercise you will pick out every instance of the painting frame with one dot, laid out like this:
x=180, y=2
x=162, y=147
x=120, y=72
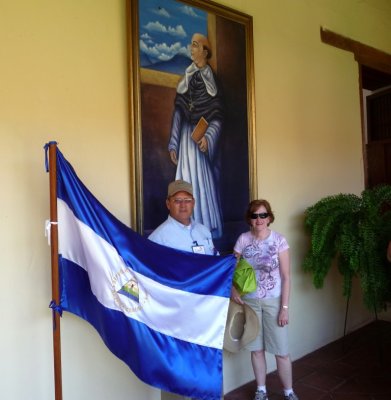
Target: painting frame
x=139, y=78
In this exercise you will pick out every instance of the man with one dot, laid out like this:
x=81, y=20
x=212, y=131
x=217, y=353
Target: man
x=180, y=231
x=198, y=99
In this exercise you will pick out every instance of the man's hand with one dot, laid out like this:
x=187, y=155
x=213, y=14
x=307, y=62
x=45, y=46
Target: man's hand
x=203, y=144
x=173, y=157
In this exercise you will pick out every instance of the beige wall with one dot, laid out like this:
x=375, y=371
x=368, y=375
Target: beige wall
x=63, y=77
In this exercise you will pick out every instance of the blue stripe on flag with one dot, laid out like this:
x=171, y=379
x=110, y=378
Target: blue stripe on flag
x=170, y=330
x=156, y=359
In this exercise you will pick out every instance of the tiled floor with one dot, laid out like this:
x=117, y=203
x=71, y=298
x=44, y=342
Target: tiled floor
x=356, y=367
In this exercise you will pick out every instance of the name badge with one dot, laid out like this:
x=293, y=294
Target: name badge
x=198, y=249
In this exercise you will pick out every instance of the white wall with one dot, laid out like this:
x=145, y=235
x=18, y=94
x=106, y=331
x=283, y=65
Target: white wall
x=63, y=77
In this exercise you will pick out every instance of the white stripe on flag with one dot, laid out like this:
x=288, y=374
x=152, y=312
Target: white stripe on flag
x=173, y=312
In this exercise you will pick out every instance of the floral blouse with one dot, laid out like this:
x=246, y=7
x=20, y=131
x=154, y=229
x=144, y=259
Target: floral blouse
x=263, y=256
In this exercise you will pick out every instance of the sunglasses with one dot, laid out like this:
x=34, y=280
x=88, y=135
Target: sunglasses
x=260, y=215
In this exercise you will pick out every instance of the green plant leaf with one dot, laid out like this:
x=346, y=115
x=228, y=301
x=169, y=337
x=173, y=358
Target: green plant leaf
x=353, y=232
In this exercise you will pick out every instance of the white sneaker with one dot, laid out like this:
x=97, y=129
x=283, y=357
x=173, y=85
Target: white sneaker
x=260, y=395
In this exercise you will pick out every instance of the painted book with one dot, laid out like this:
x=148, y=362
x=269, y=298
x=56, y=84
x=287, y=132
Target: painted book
x=199, y=130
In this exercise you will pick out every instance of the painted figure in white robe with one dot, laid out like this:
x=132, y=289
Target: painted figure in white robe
x=198, y=96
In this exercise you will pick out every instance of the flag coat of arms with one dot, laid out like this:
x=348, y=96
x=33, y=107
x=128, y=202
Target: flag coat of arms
x=161, y=311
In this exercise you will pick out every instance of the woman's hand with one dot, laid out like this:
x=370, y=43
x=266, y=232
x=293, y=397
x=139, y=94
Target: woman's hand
x=235, y=296
x=283, y=317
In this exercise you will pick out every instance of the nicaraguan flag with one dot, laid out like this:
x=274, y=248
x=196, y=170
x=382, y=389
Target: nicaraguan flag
x=163, y=312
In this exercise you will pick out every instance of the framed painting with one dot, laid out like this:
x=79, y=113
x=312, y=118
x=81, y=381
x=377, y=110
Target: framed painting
x=192, y=112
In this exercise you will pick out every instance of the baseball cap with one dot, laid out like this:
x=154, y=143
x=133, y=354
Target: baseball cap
x=179, y=186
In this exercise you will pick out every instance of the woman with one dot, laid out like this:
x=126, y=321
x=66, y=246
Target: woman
x=268, y=252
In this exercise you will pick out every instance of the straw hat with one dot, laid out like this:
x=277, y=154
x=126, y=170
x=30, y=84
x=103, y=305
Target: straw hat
x=242, y=327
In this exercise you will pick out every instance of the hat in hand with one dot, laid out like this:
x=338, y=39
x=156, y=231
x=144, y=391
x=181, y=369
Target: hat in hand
x=242, y=327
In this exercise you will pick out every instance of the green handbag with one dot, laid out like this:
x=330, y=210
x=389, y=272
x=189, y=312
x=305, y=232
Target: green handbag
x=244, y=279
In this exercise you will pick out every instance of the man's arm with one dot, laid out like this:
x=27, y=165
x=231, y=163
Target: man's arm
x=175, y=133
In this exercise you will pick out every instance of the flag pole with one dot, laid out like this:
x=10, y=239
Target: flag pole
x=55, y=304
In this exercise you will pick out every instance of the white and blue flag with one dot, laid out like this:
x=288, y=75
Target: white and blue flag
x=161, y=311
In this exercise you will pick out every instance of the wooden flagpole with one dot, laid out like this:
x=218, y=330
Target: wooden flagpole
x=55, y=275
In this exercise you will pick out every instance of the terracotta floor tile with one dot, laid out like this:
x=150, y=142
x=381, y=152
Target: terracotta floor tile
x=356, y=367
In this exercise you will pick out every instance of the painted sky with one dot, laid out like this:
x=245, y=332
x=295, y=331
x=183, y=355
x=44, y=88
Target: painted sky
x=166, y=28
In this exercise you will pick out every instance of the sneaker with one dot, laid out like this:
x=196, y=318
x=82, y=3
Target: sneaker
x=260, y=395
x=292, y=396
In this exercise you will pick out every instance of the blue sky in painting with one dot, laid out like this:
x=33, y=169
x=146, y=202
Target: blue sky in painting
x=165, y=31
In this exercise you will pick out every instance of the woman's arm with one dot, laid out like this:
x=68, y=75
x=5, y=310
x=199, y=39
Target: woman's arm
x=285, y=273
x=235, y=295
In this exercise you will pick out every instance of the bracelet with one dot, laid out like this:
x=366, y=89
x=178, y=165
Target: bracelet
x=286, y=307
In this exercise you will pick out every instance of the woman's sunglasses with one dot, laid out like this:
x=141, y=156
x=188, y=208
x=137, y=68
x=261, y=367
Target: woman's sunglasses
x=260, y=215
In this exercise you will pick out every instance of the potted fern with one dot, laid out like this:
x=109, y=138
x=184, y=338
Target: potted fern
x=353, y=231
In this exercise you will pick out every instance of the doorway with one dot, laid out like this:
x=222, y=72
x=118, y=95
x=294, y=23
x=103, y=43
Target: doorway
x=375, y=92
x=376, y=106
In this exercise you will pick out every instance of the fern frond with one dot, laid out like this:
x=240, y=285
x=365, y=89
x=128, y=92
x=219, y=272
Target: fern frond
x=354, y=231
